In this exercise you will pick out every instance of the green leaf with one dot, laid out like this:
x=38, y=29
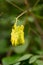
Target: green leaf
x=17, y=63
x=33, y=59
x=39, y=62
x=15, y=59
x=10, y=60
x=25, y=57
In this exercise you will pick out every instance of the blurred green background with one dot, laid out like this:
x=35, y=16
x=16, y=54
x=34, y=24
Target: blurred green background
x=31, y=53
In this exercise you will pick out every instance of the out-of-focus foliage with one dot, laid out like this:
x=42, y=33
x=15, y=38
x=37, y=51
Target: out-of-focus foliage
x=31, y=53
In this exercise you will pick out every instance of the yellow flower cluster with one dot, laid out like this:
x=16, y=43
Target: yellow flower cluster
x=17, y=35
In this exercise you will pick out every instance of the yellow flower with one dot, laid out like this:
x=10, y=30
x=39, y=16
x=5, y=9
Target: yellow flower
x=17, y=35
